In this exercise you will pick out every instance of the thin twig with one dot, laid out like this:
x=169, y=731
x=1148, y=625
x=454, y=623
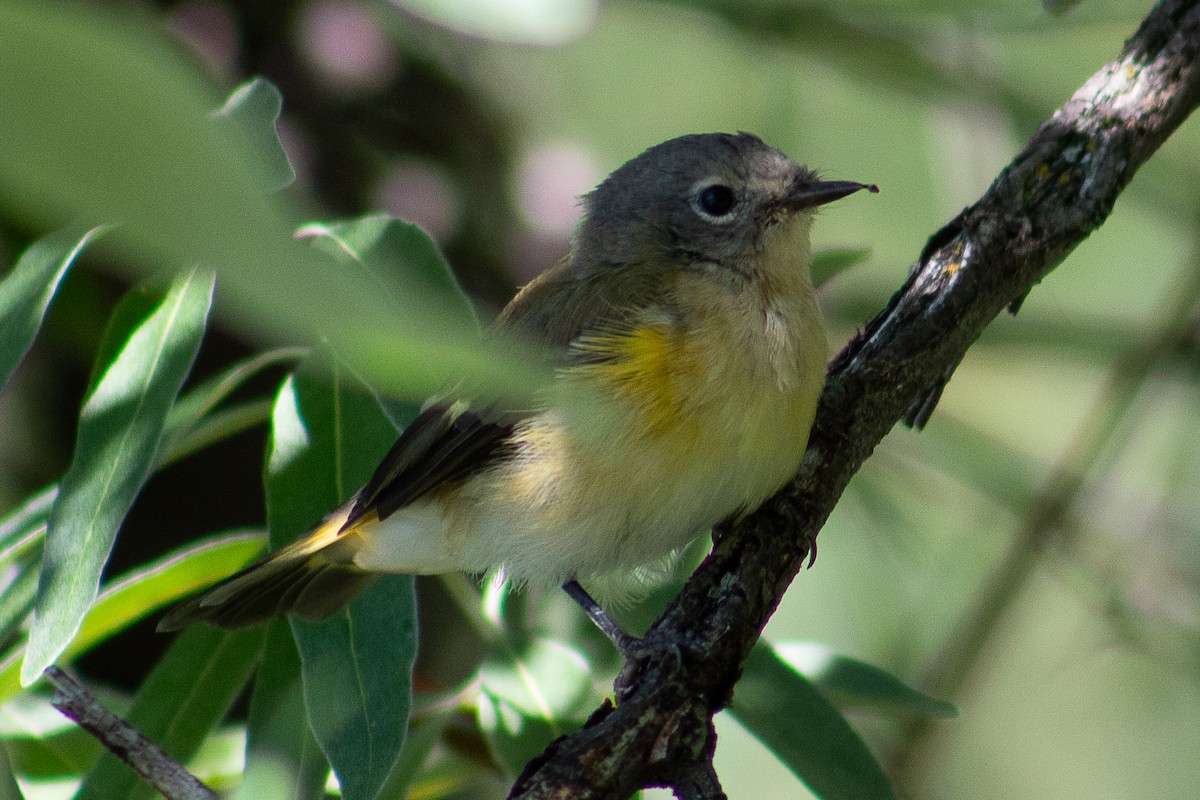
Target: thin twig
x=124, y=741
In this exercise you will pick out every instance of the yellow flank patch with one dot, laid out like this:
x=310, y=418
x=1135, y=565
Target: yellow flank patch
x=644, y=366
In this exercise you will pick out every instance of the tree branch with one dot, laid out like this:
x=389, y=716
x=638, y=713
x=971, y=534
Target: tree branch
x=124, y=741
x=1059, y=189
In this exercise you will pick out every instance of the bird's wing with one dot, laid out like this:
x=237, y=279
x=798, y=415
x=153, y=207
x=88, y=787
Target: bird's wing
x=444, y=444
x=452, y=440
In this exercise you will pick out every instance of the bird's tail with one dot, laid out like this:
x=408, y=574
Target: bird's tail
x=307, y=578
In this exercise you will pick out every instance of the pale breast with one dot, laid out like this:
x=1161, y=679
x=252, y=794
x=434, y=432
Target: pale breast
x=667, y=430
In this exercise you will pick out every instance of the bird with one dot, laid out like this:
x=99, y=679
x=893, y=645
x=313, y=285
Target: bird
x=688, y=354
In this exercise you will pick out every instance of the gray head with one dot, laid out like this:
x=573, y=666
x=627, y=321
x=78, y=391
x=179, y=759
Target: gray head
x=698, y=198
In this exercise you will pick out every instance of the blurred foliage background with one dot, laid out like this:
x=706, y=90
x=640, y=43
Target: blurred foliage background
x=1032, y=556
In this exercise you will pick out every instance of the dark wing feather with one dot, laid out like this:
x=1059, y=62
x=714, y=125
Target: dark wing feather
x=440, y=447
x=446, y=444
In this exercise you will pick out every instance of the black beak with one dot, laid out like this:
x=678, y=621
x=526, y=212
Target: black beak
x=808, y=194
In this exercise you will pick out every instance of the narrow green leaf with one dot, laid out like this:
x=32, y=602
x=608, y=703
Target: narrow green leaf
x=828, y=263
x=327, y=439
x=16, y=599
x=854, y=684
x=184, y=697
x=216, y=427
x=794, y=720
x=20, y=562
x=172, y=577
x=19, y=528
x=357, y=668
x=131, y=596
x=396, y=259
x=8, y=782
x=530, y=694
x=255, y=107
x=119, y=431
x=201, y=399
x=190, y=423
x=164, y=120
x=283, y=760
x=26, y=292
x=136, y=306
x=399, y=256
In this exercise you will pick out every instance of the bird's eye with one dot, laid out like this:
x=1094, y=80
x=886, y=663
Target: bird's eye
x=716, y=200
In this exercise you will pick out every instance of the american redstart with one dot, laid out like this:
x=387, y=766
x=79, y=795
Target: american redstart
x=689, y=355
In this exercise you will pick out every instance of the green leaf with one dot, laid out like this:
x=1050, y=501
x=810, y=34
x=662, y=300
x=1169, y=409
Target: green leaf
x=192, y=424
x=119, y=431
x=853, y=684
x=399, y=256
x=283, y=759
x=20, y=528
x=26, y=292
x=161, y=582
x=201, y=399
x=186, y=695
x=32, y=715
x=357, y=668
x=8, y=783
x=530, y=694
x=82, y=141
x=16, y=598
x=221, y=758
x=256, y=106
x=803, y=729
x=130, y=597
x=43, y=743
x=828, y=263
x=20, y=559
x=534, y=22
x=423, y=735
x=327, y=439
x=396, y=259
x=214, y=428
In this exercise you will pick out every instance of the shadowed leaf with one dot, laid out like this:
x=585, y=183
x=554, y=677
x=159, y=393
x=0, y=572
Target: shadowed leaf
x=119, y=431
x=794, y=720
x=26, y=292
